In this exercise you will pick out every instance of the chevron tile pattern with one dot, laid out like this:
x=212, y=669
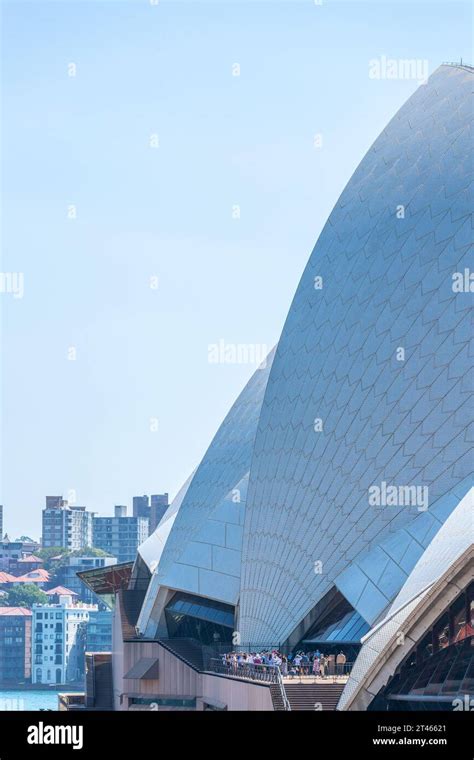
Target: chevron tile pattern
x=371, y=378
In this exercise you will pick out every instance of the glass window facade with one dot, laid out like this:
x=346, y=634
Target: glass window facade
x=341, y=624
x=164, y=702
x=202, y=619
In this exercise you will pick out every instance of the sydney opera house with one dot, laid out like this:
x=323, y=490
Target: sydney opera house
x=333, y=509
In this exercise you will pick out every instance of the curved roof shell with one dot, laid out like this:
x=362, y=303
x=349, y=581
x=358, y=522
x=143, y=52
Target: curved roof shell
x=378, y=357
x=197, y=545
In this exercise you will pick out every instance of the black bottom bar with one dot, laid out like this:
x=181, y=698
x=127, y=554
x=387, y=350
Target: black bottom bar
x=150, y=734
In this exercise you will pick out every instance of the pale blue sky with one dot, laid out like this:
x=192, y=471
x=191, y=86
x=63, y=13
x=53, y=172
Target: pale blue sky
x=224, y=140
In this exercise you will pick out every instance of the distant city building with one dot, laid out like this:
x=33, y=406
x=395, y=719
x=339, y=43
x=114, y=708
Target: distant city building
x=66, y=525
x=10, y=553
x=39, y=577
x=1, y=520
x=99, y=631
x=58, y=631
x=66, y=575
x=29, y=545
x=159, y=503
x=16, y=557
x=141, y=506
x=15, y=645
x=55, y=502
x=6, y=580
x=26, y=564
x=55, y=594
x=120, y=535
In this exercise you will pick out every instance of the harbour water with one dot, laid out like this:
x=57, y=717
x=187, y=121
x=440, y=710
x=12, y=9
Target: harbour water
x=28, y=700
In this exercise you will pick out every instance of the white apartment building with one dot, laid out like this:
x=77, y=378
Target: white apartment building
x=66, y=525
x=58, y=640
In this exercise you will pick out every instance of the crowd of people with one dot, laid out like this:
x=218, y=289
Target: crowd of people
x=297, y=664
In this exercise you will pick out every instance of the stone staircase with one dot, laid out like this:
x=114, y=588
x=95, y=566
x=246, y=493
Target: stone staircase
x=312, y=696
x=277, y=699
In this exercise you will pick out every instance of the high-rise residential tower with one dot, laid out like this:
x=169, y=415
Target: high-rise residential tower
x=66, y=525
x=159, y=503
x=141, y=506
x=120, y=535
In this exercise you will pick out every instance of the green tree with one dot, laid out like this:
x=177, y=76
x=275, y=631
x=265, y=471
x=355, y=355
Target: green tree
x=24, y=595
x=51, y=551
x=55, y=557
x=87, y=551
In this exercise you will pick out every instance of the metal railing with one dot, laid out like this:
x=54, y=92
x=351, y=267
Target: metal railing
x=246, y=670
x=281, y=686
x=251, y=672
x=459, y=64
